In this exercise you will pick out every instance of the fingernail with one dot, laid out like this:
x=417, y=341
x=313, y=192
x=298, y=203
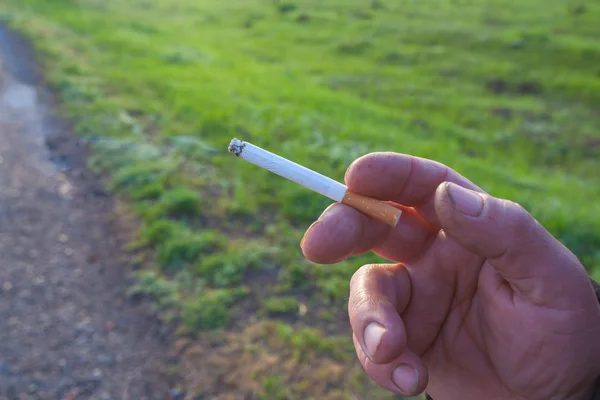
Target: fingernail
x=310, y=228
x=331, y=210
x=373, y=334
x=406, y=378
x=464, y=200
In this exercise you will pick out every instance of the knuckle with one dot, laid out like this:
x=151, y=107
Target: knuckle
x=361, y=276
x=366, y=287
x=521, y=232
x=357, y=164
x=519, y=218
x=360, y=296
x=359, y=302
x=356, y=278
x=521, y=213
x=367, y=274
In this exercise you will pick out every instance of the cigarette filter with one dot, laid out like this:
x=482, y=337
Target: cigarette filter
x=314, y=181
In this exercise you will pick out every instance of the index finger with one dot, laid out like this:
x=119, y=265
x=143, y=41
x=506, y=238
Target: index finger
x=404, y=179
x=410, y=181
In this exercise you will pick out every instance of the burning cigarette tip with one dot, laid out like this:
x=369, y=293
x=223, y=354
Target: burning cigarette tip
x=236, y=147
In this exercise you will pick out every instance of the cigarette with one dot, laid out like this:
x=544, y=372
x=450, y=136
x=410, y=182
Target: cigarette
x=314, y=181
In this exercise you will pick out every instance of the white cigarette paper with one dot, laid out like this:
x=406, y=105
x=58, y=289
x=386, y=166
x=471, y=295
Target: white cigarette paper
x=314, y=181
x=288, y=169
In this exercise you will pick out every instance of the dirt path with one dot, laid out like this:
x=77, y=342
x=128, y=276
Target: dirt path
x=67, y=330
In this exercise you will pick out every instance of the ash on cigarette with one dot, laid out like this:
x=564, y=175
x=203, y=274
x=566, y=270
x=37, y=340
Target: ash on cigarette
x=236, y=147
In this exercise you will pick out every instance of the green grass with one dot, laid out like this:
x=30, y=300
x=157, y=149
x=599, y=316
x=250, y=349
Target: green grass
x=282, y=305
x=504, y=91
x=187, y=248
x=210, y=309
x=180, y=202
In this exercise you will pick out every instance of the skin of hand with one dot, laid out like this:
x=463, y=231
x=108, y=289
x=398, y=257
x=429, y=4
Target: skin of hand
x=481, y=303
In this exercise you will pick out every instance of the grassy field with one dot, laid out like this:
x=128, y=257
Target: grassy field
x=507, y=92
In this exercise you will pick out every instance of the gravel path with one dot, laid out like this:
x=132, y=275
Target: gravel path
x=67, y=330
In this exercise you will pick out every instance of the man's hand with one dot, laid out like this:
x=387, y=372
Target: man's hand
x=483, y=304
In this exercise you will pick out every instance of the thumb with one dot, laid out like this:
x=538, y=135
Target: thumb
x=521, y=251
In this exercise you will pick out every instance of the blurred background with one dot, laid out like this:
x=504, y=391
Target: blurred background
x=507, y=92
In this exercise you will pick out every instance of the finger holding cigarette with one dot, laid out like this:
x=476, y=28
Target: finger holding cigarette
x=315, y=181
